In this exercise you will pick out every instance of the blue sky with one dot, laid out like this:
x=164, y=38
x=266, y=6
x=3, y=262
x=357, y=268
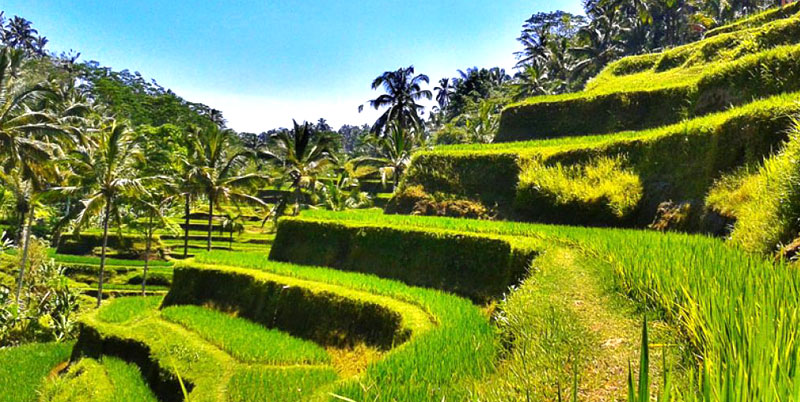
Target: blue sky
x=265, y=62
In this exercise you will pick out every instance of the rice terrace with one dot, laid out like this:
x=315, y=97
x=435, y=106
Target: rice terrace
x=607, y=209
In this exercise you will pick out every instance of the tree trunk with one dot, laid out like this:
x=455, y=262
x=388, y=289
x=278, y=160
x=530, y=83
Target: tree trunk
x=147, y=253
x=103, y=252
x=26, y=238
x=186, y=213
x=230, y=240
x=210, y=219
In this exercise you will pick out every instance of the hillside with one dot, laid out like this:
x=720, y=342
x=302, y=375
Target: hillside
x=561, y=264
x=650, y=133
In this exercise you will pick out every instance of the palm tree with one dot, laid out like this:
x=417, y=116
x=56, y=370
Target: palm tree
x=154, y=206
x=403, y=90
x=232, y=223
x=303, y=154
x=220, y=160
x=113, y=164
x=29, y=142
x=395, y=151
x=443, y=92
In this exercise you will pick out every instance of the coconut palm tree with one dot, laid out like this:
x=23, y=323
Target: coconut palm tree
x=113, y=163
x=403, y=90
x=443, y=92
x=303, y=153
x=29, y=141
x=395, y=151
x=220, y=161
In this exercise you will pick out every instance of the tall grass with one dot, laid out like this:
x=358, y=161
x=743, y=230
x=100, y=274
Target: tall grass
x=766, y=203
x=434, y=365
x=740, y=312
x=244, y=340
x=23, y=369
x=128, y=308
x=106, y=380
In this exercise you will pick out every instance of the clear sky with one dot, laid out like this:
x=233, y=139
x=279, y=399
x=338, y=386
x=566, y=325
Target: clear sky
x=265, y=62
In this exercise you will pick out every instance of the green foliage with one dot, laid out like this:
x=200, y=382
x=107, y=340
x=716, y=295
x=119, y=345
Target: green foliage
x=47, y=308
x=706, y=147
x=24, y=369
x=244, y=340
x=128, y=308
x=738, y=311
x=109, y=379
x=478, y=267
x=282, y=384
x=694, y=79
x=764, y=203
x=601, y=191
x=438, y=362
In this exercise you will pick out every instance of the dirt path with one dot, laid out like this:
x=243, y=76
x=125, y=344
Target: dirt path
x=567, y=316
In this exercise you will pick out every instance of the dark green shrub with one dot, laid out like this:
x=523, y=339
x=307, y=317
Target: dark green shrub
x=478, y=267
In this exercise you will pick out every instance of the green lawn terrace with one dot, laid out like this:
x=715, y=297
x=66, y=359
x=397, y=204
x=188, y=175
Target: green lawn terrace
x=637, y=144
x=330, y=332
x=743, y=62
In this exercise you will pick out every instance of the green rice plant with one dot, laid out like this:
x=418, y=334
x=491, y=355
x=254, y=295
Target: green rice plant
x=108, y=379
x=766, y=204
x=128, y=308
x=23, y=369
x=277, y=384
x=244, y=340
x=438, y=259
x=435, y=364
x=739, y=312
x=603, y=189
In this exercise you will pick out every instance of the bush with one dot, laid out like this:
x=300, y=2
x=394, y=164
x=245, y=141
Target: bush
x=414, y=200
x=478, y=267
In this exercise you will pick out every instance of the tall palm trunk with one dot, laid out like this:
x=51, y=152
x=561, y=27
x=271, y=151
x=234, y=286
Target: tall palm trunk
x=186, y=213
x=147, y=252
x=103, y=252
x=26, y=237
x=210, y=219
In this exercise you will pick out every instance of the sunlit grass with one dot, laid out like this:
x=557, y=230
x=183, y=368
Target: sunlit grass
x=740, y=312
x=23, y=369
x=244, y=340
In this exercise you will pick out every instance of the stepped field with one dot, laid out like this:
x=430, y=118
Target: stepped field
x=364, y=305
x=649, y=130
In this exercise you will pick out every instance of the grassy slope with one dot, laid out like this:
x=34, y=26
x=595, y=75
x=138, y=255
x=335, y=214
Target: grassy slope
x=23, y=369
x=544, y=187
x=246, y=341
x=738, y=311
x=431, y=366
x=654, y=83
x=202, y=364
